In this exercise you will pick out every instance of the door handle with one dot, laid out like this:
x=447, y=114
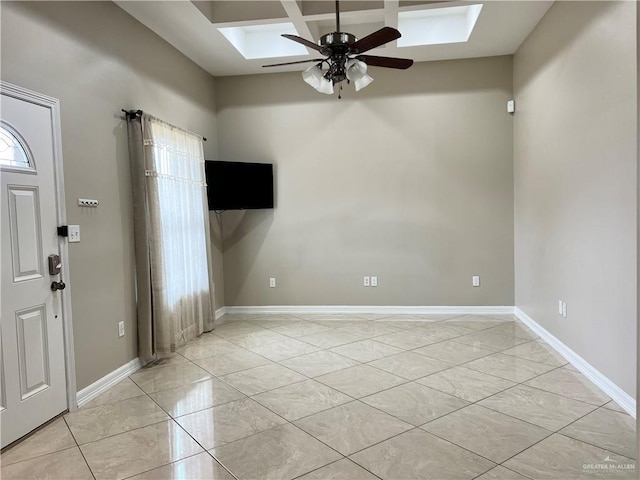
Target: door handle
x=57, y=286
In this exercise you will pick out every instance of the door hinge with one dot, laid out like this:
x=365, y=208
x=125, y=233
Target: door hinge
x=63, y=231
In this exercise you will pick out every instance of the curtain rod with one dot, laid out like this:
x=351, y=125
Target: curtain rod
x=138, y=113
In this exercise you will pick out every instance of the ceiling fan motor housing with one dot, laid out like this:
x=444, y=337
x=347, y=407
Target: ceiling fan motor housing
x=337, y=39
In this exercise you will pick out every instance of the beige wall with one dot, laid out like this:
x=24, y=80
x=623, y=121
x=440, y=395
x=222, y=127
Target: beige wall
x=410, y=179
x=97, y=59
x=575, y=181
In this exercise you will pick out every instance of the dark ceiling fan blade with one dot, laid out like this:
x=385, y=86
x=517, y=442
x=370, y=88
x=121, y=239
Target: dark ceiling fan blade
x=375, y=39
x=293, y=63
x=388, y=62
x=303, y=41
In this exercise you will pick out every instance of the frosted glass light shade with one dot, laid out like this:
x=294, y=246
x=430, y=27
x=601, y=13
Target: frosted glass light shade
x=315, y=77
x=357, y=73
x=326, y=86
x=312, y=76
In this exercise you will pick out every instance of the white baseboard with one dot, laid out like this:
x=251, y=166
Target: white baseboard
x=622, y=398
x=344, y=309
x=220, y=312
x=105, y=383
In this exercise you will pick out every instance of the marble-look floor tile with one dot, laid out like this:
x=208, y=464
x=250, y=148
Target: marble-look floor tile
x=606, y=429
x=198, y=467
x=66, y=464
x=409, y=365
x=435, y=317
x=612, y=405
x=439, y=332
x=229, y=422
x=562, y=458
x=285, y=349
x=195, y=396
x=361, y=380
x=139, y=450
x=452, y=352
x=88, y=425
x=405, y=339
x=257, y=339
x=318, y=363
x=50, y=438
x=475, y=322
x=401, y=323
x=300, y=329
x=237, y=328
x=501, y=473
x=260, y=379
x=490, y=341
x=418, y=455
x=467, y=384
x=414, y=403
x=488, y=433
x=343, y=469
x=570, y=384
x=513, y=329
x=281, y=453
x=571, y=367
x=162, y=378
x=369, y=329
x=547, y=410
x=352, y=427
x=301, y=399
x=232, y=362
x=330, y=338
x=121, y=391
x=366, y=350
x=511, y=368
x=537, y=351
x=209, y=346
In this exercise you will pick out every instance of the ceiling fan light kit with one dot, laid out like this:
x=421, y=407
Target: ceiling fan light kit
x=344, y=59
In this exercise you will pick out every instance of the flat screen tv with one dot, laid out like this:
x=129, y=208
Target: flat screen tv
x=239, y=185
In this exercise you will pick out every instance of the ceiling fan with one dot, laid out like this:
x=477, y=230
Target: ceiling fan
x=344, y=57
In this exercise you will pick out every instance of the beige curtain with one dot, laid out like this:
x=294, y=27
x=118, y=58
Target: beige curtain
x=172, y=238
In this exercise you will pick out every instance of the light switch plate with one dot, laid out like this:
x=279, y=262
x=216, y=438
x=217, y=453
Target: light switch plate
x=74, y=233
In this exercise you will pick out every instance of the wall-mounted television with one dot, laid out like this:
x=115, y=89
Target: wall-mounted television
x=239, y=185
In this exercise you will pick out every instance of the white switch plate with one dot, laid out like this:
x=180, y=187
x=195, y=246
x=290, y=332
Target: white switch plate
x=559, y=307
x=374, y=281
x=366, y=281
x=475, y=280
x=74, y=233
x=121, y=329
x=564, y=310
x=272, y=282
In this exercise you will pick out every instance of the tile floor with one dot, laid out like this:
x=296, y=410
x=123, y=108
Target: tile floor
x=348, y=398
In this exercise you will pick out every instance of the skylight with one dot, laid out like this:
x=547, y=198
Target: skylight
x=264, y=41
x=437, y=25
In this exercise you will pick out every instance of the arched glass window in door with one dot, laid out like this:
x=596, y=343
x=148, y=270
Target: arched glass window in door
x=13, y=150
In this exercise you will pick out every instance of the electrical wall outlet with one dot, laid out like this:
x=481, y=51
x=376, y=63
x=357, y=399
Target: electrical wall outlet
x=564, y=310
x=374, y=281
x=272, y=282
x=475, y=280
x=560, y=303
x=366, y=282
x=74, y=233
x=88, y=202
x=121, y=329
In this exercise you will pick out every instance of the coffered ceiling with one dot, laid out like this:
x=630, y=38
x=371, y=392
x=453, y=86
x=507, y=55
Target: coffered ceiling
x=205, y=31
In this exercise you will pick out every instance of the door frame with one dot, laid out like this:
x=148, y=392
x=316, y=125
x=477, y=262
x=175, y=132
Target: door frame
x=53, y=104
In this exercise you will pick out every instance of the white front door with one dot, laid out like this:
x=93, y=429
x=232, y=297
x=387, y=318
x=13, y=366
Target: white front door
x=32, y=359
